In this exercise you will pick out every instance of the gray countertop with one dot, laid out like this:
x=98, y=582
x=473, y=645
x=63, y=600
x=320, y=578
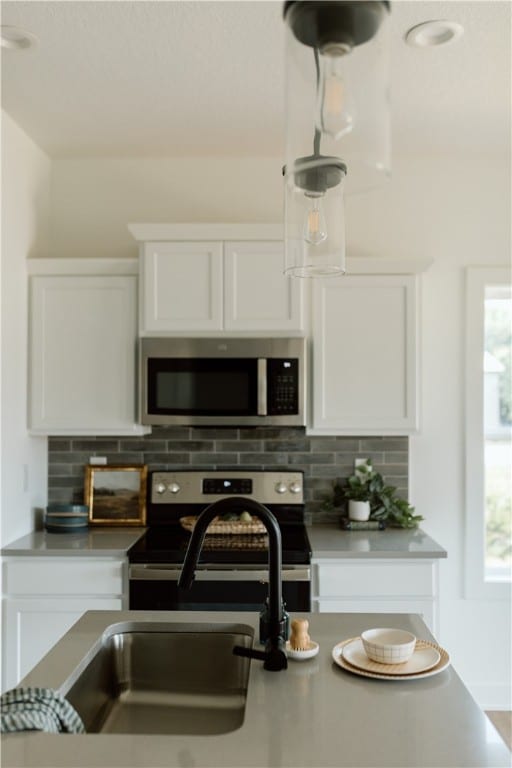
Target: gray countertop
x=312, y=715
x=327, y=541
x=330, y=541
x=103, y=542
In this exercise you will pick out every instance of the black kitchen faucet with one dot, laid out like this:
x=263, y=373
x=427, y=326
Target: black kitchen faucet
x=273, y=619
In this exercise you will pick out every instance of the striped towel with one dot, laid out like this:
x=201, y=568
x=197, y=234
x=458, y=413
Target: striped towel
x=38, y=709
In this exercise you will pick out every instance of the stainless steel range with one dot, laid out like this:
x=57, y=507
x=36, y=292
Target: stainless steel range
x=232, y=572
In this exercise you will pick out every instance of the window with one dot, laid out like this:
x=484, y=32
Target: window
x=497, y=426
x=488, y=433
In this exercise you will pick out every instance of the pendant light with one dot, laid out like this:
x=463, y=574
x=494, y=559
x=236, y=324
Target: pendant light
x=337, y=123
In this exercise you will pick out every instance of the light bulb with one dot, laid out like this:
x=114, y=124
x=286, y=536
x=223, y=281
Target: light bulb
x=335, y=110
x=315, y=229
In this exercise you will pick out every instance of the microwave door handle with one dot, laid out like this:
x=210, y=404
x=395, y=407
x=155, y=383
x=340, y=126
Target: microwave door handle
x=262, y=386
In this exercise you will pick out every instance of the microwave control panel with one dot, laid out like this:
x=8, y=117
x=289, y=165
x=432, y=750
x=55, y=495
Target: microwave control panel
x=283, y=386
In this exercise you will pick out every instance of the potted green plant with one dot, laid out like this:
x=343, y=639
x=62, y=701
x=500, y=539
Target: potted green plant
x=367, y=485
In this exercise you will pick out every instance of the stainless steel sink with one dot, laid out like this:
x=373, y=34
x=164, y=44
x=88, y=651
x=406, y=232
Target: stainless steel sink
x=165, y=679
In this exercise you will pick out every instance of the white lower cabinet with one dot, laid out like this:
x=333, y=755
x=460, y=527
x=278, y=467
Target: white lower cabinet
x=371, y=586
x=44, y=597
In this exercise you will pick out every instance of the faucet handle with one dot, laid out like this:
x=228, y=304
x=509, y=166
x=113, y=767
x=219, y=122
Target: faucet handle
x=249, y=653
x=274, y=656
x=274, y=636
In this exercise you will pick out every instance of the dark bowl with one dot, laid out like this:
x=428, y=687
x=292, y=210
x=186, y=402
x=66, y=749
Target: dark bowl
x=66, y=518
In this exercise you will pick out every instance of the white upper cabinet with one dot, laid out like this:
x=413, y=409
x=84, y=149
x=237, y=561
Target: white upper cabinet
x=365, y=355
x=257, y=295
x=181, y=287
x=83, y=335
x=215, y=278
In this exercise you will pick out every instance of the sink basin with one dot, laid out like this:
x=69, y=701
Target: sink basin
x=159, y=678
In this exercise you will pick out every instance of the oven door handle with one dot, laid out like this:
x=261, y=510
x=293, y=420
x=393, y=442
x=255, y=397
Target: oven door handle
x=163, y=573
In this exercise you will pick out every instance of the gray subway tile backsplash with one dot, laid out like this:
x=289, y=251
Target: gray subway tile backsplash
x=323, y=459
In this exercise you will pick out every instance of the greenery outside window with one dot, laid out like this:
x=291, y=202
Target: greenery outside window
x=488, y=433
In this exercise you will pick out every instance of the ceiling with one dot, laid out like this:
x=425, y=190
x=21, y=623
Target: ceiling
x=198, y=78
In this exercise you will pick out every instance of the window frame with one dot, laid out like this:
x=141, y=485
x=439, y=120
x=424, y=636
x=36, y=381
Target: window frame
x=476, y=587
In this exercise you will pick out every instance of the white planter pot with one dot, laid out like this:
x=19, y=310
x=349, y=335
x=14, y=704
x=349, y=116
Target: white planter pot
x=359, y=510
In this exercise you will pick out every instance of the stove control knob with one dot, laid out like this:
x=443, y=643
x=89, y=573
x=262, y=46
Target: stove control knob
x=295, y=487
x=174, y=487
x=281, y=488
x=160, y=488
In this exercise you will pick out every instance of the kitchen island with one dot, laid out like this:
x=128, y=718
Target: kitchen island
x=50, y=579
x=312, y=715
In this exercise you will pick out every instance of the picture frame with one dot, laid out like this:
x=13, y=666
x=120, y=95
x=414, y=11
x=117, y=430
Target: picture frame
x=116, y=494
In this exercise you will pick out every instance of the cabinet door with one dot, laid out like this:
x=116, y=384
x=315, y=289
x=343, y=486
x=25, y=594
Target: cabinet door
x=375, y=579
x=83, y=355
x=258, y=296
x=33, y=626
x=364, y=355
x=181, y=287
x=377, y=586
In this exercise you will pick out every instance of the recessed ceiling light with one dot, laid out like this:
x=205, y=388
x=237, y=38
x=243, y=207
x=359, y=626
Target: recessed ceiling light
x=431, y=33
x=15, y=38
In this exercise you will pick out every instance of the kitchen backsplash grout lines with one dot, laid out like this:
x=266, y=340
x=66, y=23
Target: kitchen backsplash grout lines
x=322, y=459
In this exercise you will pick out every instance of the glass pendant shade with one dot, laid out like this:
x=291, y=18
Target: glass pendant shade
x=337, y=86
x=337, y=118
x=314, y=219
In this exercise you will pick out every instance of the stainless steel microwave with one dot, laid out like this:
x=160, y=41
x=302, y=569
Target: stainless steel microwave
x=222, y=381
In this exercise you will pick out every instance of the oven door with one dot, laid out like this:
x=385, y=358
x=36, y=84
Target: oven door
x=224, y=588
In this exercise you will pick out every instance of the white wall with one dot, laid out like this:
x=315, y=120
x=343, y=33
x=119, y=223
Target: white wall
x=454, y=210
x=94, y=198
x=25, y=222
x=458, y=214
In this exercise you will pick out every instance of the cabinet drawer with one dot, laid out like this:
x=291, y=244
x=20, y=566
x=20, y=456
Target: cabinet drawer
x=63, y=577
x=370, y=579
x=425, y=608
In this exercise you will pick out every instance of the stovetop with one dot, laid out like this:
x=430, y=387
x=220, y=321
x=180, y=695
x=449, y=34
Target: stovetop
x=169, y=545
x=173, y=495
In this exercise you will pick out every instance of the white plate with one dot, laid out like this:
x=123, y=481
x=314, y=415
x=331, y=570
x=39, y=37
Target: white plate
x=374, y=669
x=423, y=658
x=308, y=653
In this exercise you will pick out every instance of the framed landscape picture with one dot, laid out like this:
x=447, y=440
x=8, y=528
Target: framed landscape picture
x=116, y=494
